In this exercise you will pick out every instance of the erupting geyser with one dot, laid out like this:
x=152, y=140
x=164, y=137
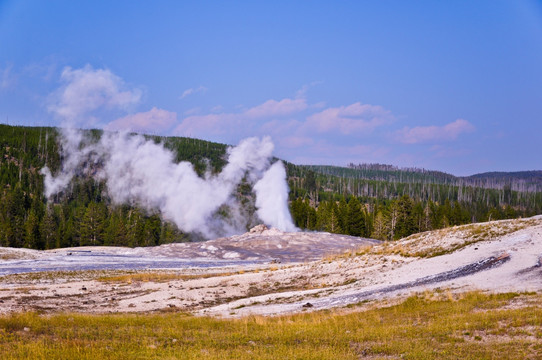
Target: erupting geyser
x=140, y=172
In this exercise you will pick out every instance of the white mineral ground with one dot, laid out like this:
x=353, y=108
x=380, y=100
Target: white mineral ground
x=269, y=272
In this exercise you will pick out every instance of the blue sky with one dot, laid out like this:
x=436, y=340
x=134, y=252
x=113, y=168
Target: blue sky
x=454, y=86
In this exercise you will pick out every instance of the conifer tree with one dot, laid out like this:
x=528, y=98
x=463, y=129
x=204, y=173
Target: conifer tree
x=355, y=218
x=93, y=225
x=48, y=230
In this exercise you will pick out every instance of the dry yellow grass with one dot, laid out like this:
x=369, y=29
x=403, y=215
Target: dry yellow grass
x=437, y=325
x=429, y=244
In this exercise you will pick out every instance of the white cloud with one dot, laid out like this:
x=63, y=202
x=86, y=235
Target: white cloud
x=272, y=108
x=423, y=134
x=86, y=90
x=330, y=132
x=282, y=127
x=202, y=125
x=191, y=91
x=351, y=119
x=153, y=121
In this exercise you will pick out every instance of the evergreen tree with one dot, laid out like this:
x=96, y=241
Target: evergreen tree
x=93, y=225
x=343, y=215
x=152, y=230
x=136, y=228
x=380, y=227
x=355, y=218
x=406, y=223
x=426, y=223
x=32, y=237
x=328, y=217
x=15, y=213
x=311, y=216
x=115, y=231
x=48, y=230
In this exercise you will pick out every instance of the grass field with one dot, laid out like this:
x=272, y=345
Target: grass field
x=435, y=325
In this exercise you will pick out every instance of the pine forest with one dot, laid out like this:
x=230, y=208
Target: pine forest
x=368, y=200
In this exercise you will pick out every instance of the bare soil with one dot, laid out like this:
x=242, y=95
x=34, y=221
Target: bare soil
x=269, y=272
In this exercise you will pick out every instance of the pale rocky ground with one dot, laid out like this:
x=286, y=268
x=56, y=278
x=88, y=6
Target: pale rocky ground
x=281, y=273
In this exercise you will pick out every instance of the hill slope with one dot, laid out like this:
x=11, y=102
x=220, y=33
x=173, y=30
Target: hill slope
x=375, y=201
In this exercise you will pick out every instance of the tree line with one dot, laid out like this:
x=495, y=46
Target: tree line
x=392, y=209
x=385, y=220
x=378, y=205
x=83, y=214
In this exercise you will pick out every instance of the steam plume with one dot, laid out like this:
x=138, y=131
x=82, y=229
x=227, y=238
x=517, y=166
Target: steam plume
x=272, y=198
x=140, y=172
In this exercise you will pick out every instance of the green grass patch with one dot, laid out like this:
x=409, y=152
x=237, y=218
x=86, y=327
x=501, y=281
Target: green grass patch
x=476, y=326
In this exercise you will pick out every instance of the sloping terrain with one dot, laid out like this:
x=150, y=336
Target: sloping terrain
x=268, y=272
x=259, y=246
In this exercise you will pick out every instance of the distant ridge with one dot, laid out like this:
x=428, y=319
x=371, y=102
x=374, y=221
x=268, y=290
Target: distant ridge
x=524, y=181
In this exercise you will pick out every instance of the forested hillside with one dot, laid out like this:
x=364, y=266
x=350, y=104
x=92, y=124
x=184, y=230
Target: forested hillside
x=398, y=202
x=378, y=201
x=524, y=181
x=82, y=215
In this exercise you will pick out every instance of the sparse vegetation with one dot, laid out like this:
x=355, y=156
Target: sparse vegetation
x=435, y=243
x=431, y=325
x=154, y=276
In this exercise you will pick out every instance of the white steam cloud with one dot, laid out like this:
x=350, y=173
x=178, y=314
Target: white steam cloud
x=140, y=172
x=272, y=198
x=72, y=157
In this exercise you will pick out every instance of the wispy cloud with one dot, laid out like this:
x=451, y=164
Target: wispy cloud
x=192, y=111
x=220, y=123
x=424, y=134
x=301, y=93
x=354, y=118
x=272, y=108
x=323, y=152
x=191, y=91
x=439, y=151
x=6, y=76
x=295, y=141
x=217, y=109
x=45, y=69
x=152, y=121
x=86, y=90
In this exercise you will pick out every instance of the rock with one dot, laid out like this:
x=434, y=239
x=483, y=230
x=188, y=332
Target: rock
x=258, y=229
x=308, y=305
